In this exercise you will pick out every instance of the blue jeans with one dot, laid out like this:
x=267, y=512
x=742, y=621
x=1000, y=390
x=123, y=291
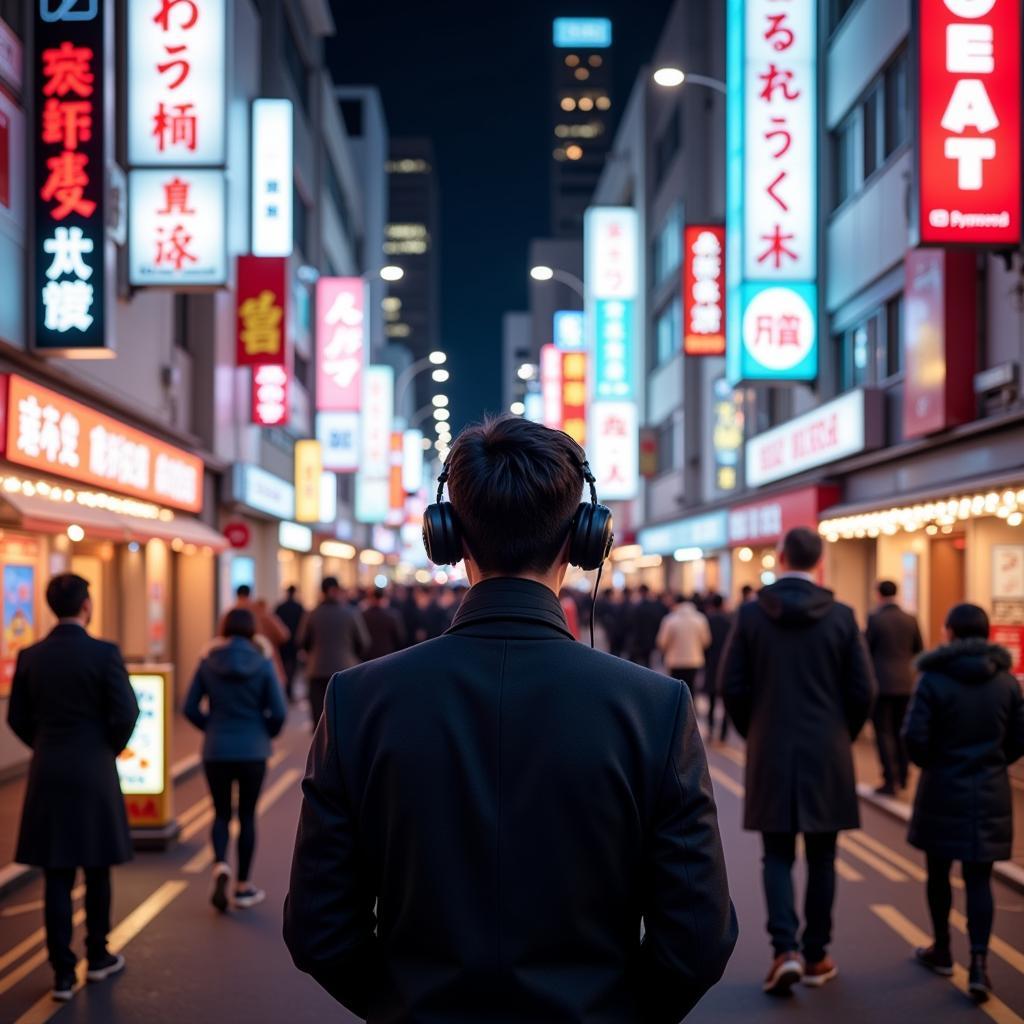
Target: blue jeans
x=783, y=921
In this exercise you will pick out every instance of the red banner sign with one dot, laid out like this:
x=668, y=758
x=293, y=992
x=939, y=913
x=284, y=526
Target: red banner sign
x=574, y=396
x=270, y=396
x=765, y=522
x=704, y=291
x=262, y=311
x=969, y=137
x=340, y=343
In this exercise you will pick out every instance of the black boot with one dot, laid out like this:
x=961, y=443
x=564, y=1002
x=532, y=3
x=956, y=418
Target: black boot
x=937, y=959
x=979, y=984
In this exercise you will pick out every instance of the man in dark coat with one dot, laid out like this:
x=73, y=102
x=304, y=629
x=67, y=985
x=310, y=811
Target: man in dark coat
x=798, y=685
x=383, y=624
x=487, y=817
x=644, y=622
x=72, y=703
x=720, y=622
x=894, y=641
x=290, y=612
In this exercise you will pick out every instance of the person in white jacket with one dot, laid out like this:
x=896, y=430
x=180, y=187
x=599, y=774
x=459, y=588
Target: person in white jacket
x=683, y=638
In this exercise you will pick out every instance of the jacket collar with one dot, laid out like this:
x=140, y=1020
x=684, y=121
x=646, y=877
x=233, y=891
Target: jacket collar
x=506, y=599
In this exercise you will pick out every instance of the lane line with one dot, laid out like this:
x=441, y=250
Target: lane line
x=203, y=804
x=1002, y=949
x=277, y=758
x=144, y=914
x=197, y=825
x=847, y=871
x=867, y=857
x=915, y=937
x=204, y=858
x=18, y=951
x=731, y=754
x=727, y=783
x=26, y=908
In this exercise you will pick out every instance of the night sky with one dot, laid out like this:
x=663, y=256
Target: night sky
x=475, y=77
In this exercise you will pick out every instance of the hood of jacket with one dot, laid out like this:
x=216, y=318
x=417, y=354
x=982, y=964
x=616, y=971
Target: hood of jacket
x=969, y=661
x=795, y=602
x=238, y=658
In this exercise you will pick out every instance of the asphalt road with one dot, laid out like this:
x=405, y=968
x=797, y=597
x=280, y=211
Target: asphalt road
x=186, y=963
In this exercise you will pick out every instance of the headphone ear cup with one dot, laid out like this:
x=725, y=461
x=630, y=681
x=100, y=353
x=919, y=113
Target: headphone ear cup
x=441, y=538
x=591, y=536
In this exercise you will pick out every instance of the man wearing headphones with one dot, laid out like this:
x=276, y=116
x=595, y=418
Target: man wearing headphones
x=487, y=817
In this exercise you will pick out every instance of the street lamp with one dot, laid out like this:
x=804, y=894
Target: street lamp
x=441, y=414
x=440, y=401
x=391, y=273
x=671, y=78
x=517, y=408
x=410, y=373
x=526, y=372
x=440, y=376
x=543, y=273
x=437, y=358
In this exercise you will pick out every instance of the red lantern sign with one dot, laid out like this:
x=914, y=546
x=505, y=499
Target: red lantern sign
x=262, y=311
x=574, y=396
x=969, y=137
x=238, y=534
x=704, y=291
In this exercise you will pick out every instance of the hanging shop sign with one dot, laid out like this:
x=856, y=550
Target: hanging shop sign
x=574, y=395
x=939, y=339
x=704, y=290
x=377, y=415
x=727, y=434
x=294, y=537
x=308, y=467
x=69, y=279
x=272, y=177
x=340, y=343
x=551, y=386
x=567, y=329
x=47, y=431
x=270, y=396
x=328, y=497
x=372, y=495
x=261, y=311
x=615, y=450
x=412, y=461
x=771, y=179
x=261, y=491
x=176, y=228
x=339, y=436
x=582, y=33
x=177, y=73
x=969, y=121
x=396, y=490
x=845, y=426
x=766, y=522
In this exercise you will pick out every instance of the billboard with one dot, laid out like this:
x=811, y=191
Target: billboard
x=272, y=177
x=582, y=33
x=261, y=305
x=340, y=343
x=704, y=290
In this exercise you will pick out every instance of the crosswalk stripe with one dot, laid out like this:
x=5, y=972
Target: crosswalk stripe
x=915, y=937
x=1002, y=949
x=847, y=871
x=847, y=843
x=191, y=812
x=18, y=951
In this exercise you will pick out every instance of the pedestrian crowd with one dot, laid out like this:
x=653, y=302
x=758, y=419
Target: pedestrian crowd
x=454, y=727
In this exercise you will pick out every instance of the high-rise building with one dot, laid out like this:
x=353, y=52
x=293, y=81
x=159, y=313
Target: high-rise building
x=411, y=311
x=581, y=115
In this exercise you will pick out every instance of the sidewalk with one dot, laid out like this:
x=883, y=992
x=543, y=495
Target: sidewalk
x=184, y=759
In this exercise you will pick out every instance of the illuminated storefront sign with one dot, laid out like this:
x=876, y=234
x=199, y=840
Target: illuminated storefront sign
x=261, y=305
x=396, y=492
x=969, y=121
x=176, y=227
x=704, y=291
x=567, y=330
x=705, y=533
x=766, y=522
x=845, y=426
x=615, y=450
x=372, y=494
x=143, y=768
x=771, y=256
x=177, y=70
x=272, y=174
x=551, y=386
x=69, y=279
x=47, y=431
x=338, y=434
x=582, y=33
x=412, y=461
x=574, y=395
x=308, y=467
x=340, y=341
x=727, y=434
x=377, y=414
x=328, y=497
x=270, y=396
x=262, y=491
x=294, y=536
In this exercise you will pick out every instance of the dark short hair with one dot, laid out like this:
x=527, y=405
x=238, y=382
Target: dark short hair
x=680, y=599
x=643, y=589
x=966, y=621
x=291, y=590
x=239, y=622
x=328, y=584
x=746, y=589
x=243, y=591
x=378, y=594
x=717, y=601
x=886, y=588
x=66, y=593
x=515, y=486
x=802, y=548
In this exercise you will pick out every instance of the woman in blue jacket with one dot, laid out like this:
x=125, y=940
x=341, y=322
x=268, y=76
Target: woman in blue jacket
x=244, y=709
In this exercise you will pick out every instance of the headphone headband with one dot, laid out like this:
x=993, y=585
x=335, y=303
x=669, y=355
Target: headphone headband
x=588, y=479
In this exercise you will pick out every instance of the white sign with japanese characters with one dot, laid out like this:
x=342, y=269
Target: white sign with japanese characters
x=177, y=71
x=614, y=450
x=176, y=230
x=272, y=177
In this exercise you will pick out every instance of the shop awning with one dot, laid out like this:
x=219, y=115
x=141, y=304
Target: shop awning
x=48, y=516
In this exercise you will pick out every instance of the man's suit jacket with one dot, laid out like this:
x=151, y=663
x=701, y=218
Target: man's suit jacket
x=894, y=640
x=72, y=703
x=488, y=816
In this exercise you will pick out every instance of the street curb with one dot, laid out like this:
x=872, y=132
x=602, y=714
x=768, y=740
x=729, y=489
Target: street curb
x=13, y=876
x=1007, y=873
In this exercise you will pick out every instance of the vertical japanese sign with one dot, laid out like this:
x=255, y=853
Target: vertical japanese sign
x=272, y=147
x=771, y=172
x=396, y=490
x=308, y=470
x=567, y=329
x=374, y=476
x=612, y=261
x=727, y=434
x=270, y=396
x=340, y=343
x=69, y=281
x=704, y=290
x=551, y=386
x=412, y=461
x=969, y=121
x=338, y=434
x=261, y=328
x=574, y=396
x=177, y=71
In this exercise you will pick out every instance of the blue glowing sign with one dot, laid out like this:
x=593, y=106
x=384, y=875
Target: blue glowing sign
x=582, y=33
x=567, y=330
x=614, y=349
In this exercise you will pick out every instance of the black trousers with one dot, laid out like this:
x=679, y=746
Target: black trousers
x=317, y=693
x=783, y=922
x=221, y=777
x=57, y=915
x=688, y=676
x=888, y=718
x=980, y=906
x=291, y=667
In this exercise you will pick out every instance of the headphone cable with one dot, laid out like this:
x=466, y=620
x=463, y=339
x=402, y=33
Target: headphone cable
x=593, y=602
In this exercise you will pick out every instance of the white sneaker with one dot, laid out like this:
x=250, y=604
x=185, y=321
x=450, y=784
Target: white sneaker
x=221, y=884
x=249, y=897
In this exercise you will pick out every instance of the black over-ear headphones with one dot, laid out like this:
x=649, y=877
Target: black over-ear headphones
x=590, y=536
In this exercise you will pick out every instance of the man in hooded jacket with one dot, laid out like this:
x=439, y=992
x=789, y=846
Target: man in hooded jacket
x=798, y=685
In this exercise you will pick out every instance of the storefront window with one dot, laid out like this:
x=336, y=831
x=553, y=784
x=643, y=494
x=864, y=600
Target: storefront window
x=891, y=362
x=668, y=332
